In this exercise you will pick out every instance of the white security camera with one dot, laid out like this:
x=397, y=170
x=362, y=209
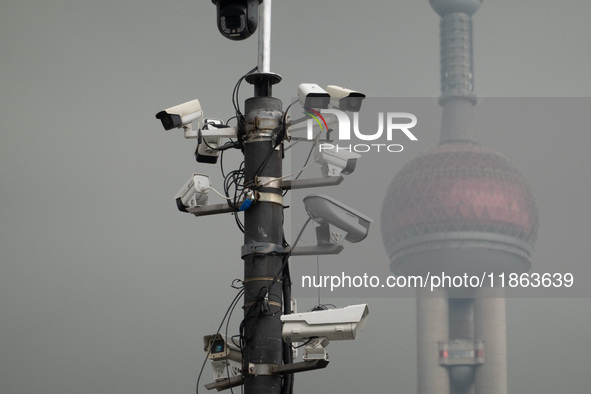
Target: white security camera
x=345, y=99
x=237, y=19
x=334, y=162
x=193, y=193
x=211, y=135
x=332, y=324
x=224, y=368
x=207, y=151
x=220, y=348
x=182, y=115
x=226, y=358
x=313, y=96
x=326, y=210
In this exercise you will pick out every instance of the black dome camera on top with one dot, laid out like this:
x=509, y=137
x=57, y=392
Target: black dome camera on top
x=237, y=19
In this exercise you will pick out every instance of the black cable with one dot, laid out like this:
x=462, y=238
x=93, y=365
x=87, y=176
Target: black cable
x=280, y=133
x=222, y=164
x=286, y=111
x=254, y=310
x=235, y=180
x=304, y=344
x=307, y=160
x=260, y=168
x=283, y=132
x=228, y=121
x=230, y=308
x=236, y=91
x=288, y=380
x=226, y=146
x=284, y=118
x=226, y=333
x=322, y=307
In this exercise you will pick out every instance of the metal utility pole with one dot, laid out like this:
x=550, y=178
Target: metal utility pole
x=263, y=251
x=265, y=350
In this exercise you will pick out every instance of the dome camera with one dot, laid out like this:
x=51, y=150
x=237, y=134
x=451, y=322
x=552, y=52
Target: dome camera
x=237, y=20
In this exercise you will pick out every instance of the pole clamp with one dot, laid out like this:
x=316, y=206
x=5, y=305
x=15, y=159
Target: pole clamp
x=265, y=181
x=264, y=248
x=269, y=197
x=261, y=369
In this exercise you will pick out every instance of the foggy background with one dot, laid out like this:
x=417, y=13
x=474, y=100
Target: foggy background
x=106, y=288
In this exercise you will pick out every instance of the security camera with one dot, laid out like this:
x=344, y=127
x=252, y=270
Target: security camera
x=193, y=193
x=212, y=133
x=332, y=324
x=181, y=115
x=207, y=151
x=237, y=19
x=335, y=162
x=226, y=358
x=326, y=210
x=345, y=99
x=219, y=347
x=313, y=96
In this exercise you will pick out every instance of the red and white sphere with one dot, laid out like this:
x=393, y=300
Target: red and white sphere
x=459, y=207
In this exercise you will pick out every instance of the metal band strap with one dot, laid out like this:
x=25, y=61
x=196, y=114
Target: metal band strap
x=267, y=182
x=261, y=369
x=264, y=248
x=269, y=197
x=261, y=278
x=273, y=303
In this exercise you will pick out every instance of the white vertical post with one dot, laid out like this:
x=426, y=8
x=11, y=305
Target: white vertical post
x=264, y=63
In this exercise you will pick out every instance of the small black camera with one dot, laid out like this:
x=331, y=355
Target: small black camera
x=237, y=20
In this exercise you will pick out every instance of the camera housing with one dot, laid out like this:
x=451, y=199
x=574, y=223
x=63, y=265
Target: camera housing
x=226, y=358
x=332, y=324
x=193, y=193
x=207, y=149
x=345, y=99
x=237, y=19
x=181, y=115
x=326, y=210
x=313, y=96
x=220, y=348
x=209, y=145
x=334, y=162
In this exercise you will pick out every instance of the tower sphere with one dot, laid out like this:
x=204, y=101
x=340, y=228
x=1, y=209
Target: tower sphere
x=459, y=207
x=443, y=7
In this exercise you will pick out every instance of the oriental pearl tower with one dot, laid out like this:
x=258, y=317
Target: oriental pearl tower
x=460, y=208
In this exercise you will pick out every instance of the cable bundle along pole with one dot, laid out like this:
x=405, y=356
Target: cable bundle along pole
x=262, y=362
x=263, y=301
x=263, y=272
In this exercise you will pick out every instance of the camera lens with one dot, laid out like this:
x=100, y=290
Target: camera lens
x=217, y=346
x=237, y=20
x=232, y=22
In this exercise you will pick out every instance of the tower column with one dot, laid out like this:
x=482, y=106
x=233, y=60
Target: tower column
x=457, y=77
x=461, y=318
x=432, y=326
x=490, y=325
x=461, y=326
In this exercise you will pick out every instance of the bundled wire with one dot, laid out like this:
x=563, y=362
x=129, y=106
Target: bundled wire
x=226, y=315
x=235, y=96
x=235, y=191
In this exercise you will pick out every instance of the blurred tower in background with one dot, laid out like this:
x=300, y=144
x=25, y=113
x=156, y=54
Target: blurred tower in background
x=459, y=208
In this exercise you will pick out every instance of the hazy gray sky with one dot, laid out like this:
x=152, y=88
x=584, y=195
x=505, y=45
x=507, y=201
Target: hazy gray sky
x=106, y=288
